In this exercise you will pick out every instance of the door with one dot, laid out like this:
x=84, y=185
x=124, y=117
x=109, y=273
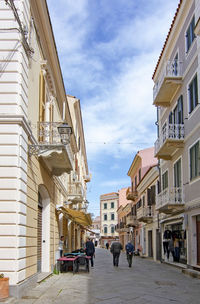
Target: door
x=150, y=248
x=158, y=245
x=198, y=240
x=39, y=235
x=177, y=181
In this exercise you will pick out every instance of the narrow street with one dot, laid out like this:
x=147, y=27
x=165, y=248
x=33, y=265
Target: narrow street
x=146, y=282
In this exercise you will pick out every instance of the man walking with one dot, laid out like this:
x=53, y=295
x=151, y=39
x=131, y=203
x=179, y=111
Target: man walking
x=129, y=253
x=115, y=249
x=90, y=250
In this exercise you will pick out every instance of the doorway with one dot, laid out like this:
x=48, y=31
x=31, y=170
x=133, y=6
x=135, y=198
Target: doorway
x=150, y=247
x=198, y=238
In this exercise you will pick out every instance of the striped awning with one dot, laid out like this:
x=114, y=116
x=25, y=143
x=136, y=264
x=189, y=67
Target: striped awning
x=76, y=216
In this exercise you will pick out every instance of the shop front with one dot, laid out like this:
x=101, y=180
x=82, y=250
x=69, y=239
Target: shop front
x=174, y=240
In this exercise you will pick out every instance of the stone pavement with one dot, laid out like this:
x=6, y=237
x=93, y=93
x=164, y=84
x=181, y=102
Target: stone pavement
x=146, y=282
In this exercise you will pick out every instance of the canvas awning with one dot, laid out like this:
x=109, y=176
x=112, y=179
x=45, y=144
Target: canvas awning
x=79, y=217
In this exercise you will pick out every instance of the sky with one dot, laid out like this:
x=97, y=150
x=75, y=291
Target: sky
x=108, y=50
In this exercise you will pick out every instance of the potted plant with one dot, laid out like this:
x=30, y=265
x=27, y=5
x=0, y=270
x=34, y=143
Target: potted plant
x=4, y=287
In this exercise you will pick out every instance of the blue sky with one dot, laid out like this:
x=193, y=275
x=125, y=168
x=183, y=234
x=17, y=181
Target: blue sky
x=108, y=50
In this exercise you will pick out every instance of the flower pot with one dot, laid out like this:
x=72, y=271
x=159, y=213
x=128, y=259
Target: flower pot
x=4, y=288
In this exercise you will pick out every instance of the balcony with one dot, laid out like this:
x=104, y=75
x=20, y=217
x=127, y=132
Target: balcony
x=131, y=221
x=121, y=227
x=170, y=201
x=56, y=154
x=170, y=81
x=145, y=214
x=131, y=194
x=75, y=192
x=87, y=178
x=171, y=138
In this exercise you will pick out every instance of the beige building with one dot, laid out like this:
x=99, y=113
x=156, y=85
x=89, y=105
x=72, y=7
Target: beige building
x=176, y=96
x=109, y=203
x=40, y=150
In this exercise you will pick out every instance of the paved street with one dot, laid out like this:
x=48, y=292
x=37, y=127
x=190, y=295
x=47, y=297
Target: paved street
x=146, y=282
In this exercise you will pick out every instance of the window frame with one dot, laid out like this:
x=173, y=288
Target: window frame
x=190, y=30
x=197, y=162
x=193, y=105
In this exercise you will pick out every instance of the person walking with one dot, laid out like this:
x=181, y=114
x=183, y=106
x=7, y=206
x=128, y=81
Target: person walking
x=90, y=251
x=107, y=245
x=115, y=249
x=129, y=252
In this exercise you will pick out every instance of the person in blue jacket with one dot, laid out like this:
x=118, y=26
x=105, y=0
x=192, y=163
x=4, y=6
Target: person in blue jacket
x=129, y=252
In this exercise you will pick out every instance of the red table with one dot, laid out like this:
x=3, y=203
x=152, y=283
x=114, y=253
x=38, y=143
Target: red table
x=73, y=261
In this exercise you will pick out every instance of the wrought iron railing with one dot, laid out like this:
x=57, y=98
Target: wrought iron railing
x=171, y=69
x=169, y=131
x=170, y=196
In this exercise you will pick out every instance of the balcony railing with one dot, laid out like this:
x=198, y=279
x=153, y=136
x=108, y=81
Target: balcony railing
x=168, y=83
x=56, y=154
x=170, y=200
x=131, y=194
x=145, y=214
x=131, y=220
x=75, y=192
x=171, y=138
x=121, y=227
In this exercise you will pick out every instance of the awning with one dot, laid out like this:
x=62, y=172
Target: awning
x=79, y=217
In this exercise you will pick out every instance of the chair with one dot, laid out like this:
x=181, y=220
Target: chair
x=82, y=262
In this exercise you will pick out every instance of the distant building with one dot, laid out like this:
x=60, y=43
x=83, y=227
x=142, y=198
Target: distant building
x=109, y=204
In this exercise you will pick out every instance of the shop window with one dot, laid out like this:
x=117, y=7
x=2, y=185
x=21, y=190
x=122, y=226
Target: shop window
x=195, y=161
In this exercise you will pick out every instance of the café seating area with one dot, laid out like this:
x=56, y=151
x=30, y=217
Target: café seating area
x=74, y=261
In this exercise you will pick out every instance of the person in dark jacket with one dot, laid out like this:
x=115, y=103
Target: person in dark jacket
x=90, y=250
x=129, y=253
x=115, y=249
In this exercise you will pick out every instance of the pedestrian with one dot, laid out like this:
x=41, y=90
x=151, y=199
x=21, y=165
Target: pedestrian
x=107, y=245
x=61, y=244
x=129, y=252
x=90, y=251
x=115, y=249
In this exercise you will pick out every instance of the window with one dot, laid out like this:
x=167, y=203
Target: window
x=139, y=175
x=105, y=229
x=195, y=161
x=112, y=229
x=143, y=201
x=112, y=216
x=135, y=181
x=105, y=206
x=112, y=205
x=105, y=217
x=193, y=94
x=177, y=174
x=165, y=180
x=190, y=35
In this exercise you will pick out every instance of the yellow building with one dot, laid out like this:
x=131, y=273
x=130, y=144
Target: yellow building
x=42, y=149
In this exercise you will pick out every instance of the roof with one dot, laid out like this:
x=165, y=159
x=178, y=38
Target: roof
x=166, y=40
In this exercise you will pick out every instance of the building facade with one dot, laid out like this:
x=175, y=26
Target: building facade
x=38, y=147
x=176, y=96
x=142, y=162
x=108, y=217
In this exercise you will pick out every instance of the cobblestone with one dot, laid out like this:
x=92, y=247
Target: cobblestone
x=146, y=282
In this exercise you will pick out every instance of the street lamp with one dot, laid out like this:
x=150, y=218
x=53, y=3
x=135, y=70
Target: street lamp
x=65, y=131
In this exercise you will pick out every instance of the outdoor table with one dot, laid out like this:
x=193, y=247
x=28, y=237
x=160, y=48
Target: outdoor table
x=67, y=260
x=73, y=261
